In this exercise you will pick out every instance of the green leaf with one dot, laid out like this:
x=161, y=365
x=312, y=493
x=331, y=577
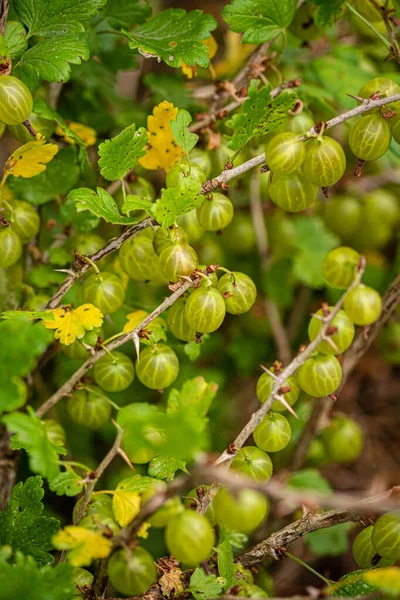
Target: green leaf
x=60, y=176
x=44, y=276
x=49, y=60
x=136, y=419
x=24, y=580
x=30, y=434
x=332, y=541
x=192, y=350
x=58, y=17
x=15, y=37
x=136, y=203
x=136, y=483
x=180, y=129
x=352, y=585
x=236, y=539
x=120, y=154
x=279, y=281
x=41, y=108
x=309, y=479
x=328, y=11
x=126, y=12
x=204, y=586
x=259, y=20
x=177, y=201
x=259, y=114
x=25, y=343
x=226, y=566
x=195, y=397
x=165, y=467
x=14, y=392
x=100, y=203
x=175, y=35
x=397, y=7
x=313, y=241
x=22, y=524
x=66, y=483
x=84, y=221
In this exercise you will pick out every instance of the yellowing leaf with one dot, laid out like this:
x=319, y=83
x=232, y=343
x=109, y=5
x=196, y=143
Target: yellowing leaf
x=136, y=317
x=84, y=545
x=87, y=134
x=143, y=531
x=30, y=160
x=73, y=324
x=191, y=70
x=126, y=505
x=162, y=150
x=387, y=579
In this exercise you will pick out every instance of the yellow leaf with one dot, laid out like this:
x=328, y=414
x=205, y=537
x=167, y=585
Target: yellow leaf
x=136, y=317
x=73, y=324
x=387, y=579
x=30, y=160
x=191, y=70
x=126, y=505
x=84, y=545
x=143, y=530
x=87, y=134
x=162, y=150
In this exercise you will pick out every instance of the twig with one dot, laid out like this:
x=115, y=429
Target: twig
x=4, y=6
x=77, y=376
x=8, y=468
x=278, y=330
x=389, y=29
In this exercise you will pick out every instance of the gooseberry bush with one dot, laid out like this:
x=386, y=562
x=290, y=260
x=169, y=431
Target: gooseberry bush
x=199, y=280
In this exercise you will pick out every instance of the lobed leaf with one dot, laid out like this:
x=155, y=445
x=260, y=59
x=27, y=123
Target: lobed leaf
x=83, y=545
x=120, y=154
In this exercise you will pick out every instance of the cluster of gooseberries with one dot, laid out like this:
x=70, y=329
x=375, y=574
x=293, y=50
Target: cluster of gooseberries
x=378, y=544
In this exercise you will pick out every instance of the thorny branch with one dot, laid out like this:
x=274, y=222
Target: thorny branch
x=394, y=46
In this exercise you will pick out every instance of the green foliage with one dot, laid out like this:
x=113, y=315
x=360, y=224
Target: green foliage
x=121, y=153
x=309, y=479
x=327, y=11
x=15, y=37
x=182, y=135
x=175, y=35
x=100, y=203
x=259, y=20
x=329, y=542
x=165, y=467
x=203, y=586
x=67, y=483
x=226, y=566
x=259, y=114
x=123, y=13
x=22, y=525
x=177, y=201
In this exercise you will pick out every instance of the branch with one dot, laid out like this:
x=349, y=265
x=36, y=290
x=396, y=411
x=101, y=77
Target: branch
x=389, y=29
x=4, y=6
x=79, y=373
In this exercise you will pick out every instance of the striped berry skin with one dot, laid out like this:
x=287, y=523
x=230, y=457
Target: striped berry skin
x=292, y=192
x=157, y=368
x=168, y=237
x=15, y=100
x=26, y=221
x=370, y=137
x=320, y=375
x=264, y=387
x=395, y=127
x=342, y=338
x=191, y=225
x=364, y=551
x=301, y=123
x=138, y=259
x=363, y=305
x=216, y=212
x=132, y=572
x=240, y=292
x=177, y=261
x=273, y=433
x=10, y=247
x=386, y=536
x=205, y=310
x=177, y=322
x=343, y=439
x=382, y=87
x=242, y=512
x=89, y=408
x=325, y=162
x=254, y=463
x=180, y=171
x=190, y=537
x=105, y=291
x=340, y=266
x=40, y=125
x=285, y=153
x=114, y=373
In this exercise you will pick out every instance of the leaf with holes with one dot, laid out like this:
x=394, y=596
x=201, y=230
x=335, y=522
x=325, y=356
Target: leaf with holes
x=70, y=325
x=67, y=483
x=177, y=201
x=30, y=159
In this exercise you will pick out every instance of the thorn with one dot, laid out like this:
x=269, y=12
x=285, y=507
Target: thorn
x=126, y=459
x=282, y=400
x=136, y=343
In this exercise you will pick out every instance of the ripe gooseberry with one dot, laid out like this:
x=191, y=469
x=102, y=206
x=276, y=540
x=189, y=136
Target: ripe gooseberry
x=190, y=223
x=301, y=123
x=190, y=537
x=177, y=261
x=180, y=171
x=264, y=387
x=342, y=215
x=342, y=337
x=380, y=207
x=303, y=25
x=205, y=310
x=89, y=407
x=340, y=266
x=320, y=375
x=138, y=259
x=202, y=159
x=239, y=292
x=364, y=552
x=381, y=87
x=386, y=536
x=253, y=462
x=395, y=127
x=114, y=372
x=172, y=507
x=15, y=100
x=25, y=220
x=285, y=153
x=55, y=432
x=363, y=305
x=216, y=212
x=43, y=126
x=243, y=512
x=370, y=137
x=132, y=572
x=177, y=322
x=10, y=246
x=325, y=161
x=105, y=291
x=343, y=439
x=273, y=433
x=158, y=367
x=292, y=192
x=168, y=237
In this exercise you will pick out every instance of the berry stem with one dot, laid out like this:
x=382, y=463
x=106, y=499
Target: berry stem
x=109, y=352
x=93, y=264
x=306, y=566
x=90, y=389
x=370, y=26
